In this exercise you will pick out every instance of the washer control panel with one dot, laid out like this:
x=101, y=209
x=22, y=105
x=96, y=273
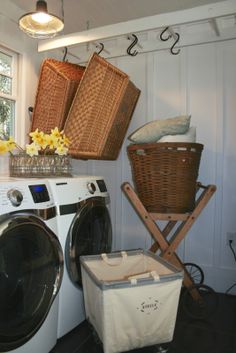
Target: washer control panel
x=39, y=193
x=15, y=197
x=24, y=194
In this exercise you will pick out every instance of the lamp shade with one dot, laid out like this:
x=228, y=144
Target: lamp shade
x=41, y=24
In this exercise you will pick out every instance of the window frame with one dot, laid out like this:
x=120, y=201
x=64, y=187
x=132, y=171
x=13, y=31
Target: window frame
x=14, y=77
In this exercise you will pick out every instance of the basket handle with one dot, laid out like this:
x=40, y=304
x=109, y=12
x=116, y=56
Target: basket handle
x=153, y=274
x=108, y=261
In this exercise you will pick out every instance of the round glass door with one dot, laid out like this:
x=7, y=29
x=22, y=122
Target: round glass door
x=90, y=233
x=31, y=266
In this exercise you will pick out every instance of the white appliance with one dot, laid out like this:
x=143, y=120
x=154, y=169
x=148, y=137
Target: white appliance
x=31, y=267
x=84, y=228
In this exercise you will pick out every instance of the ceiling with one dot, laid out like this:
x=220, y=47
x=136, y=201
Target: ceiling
x=80, y=15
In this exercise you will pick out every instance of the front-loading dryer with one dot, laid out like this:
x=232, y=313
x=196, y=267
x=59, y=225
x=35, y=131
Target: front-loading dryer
x=84, y=228
x=31, y=267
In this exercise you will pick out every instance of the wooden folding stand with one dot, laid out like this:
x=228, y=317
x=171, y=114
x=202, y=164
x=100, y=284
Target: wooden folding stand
x=168, y=247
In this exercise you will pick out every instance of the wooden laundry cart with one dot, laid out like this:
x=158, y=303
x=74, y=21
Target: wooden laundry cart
x=183, y=221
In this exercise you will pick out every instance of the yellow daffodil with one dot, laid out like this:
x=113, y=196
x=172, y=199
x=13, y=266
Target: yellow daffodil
x=52, y=141
x=55, y=132
x=3, y=147
x=10, y=144
x=65, y=140
x=32, y=149
x=61, y=150
x=36, y=135
x=42, y=143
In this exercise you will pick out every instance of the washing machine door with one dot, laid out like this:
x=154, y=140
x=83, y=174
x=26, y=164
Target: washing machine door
x=31, y=266
x=90, y=233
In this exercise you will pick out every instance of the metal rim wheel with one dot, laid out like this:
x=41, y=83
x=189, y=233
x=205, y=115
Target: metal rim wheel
x=202, y=308
x=195, y=272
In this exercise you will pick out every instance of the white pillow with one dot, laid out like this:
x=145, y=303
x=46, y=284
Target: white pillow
x=190, y=136
x=153, y=131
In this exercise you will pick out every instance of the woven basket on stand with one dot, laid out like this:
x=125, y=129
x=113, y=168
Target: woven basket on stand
x=101, y=111
x=165, y=175
x=58, y=82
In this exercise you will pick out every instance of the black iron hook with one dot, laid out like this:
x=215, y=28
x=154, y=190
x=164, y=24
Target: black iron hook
x=30, y=112
x=176, y=41
x=65, y=54
x=101, y=48
x=161, y=35
x=135, y=41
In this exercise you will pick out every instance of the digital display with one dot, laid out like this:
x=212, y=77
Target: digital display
x=38, y=188
x=39, y=193
x=101, y=185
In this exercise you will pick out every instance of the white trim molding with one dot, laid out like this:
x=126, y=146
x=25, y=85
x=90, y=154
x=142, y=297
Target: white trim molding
x=201, y=13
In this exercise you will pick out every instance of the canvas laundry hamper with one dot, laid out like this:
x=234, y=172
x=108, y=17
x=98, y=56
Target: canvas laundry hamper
x=131, y=298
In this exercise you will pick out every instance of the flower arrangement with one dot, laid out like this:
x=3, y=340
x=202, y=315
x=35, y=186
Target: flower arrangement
x=45, y=156
x=42, y=144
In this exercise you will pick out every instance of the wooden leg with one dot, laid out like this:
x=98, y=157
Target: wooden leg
x=186, y=225
x=166, y=231
x=156, y=233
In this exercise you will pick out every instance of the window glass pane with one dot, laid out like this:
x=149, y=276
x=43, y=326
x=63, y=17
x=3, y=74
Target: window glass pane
x=7, y=116
x=5, y=63
x=5, y=84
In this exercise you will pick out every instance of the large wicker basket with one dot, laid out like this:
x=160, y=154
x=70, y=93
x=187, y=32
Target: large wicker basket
x=165, y=175
x=101, y=111
x=58, y=82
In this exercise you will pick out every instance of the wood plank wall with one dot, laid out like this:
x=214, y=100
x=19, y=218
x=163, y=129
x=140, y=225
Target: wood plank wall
x=200, y=81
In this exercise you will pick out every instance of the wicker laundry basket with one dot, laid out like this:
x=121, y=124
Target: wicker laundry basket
x=165, y=175
x=58, y=82
x=101, y=111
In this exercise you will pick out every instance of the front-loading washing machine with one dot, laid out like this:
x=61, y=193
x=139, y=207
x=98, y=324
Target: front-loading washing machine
x=84, y=228
x=31, y=267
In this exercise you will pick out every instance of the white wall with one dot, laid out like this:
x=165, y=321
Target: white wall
x=29, y=62
x=200, y=81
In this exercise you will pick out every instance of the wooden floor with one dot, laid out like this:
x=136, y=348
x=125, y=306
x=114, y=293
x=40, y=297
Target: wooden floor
x=215, y=332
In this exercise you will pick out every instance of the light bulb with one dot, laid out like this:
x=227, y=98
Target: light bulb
x=41, y=17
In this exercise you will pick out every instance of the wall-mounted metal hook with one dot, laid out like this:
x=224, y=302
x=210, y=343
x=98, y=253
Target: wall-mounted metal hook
x=176, y=41
x=161, y=35
x=135, y=41
x=30, y=112
x=101, y=46
x=65, y=54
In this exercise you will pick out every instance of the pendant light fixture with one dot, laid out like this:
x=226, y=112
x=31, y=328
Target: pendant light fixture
x=41, y=24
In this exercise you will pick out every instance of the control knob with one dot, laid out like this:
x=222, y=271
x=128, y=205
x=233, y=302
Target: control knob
x=15, y=197
x=91, y=188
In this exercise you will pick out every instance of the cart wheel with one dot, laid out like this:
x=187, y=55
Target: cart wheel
x=195, y=272
x=96, y=338
x=162, y=348
x=205, y=306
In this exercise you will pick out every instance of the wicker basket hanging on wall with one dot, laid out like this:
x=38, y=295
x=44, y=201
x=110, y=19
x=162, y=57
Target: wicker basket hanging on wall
x=58, y=82
x=101, y=111
x=94, y=106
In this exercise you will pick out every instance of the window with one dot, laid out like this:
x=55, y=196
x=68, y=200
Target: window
x=8, y=89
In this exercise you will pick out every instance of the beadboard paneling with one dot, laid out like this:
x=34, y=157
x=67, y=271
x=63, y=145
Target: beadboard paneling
x=200, y=81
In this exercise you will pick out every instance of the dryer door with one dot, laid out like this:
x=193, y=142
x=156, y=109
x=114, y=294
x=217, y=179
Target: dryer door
x=31, y=266
x=90, y=234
